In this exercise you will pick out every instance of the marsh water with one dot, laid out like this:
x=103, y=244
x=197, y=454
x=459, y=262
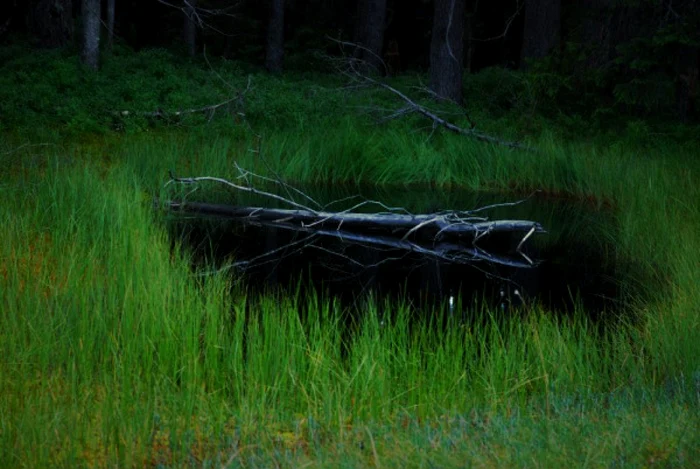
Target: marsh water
x=576, y=263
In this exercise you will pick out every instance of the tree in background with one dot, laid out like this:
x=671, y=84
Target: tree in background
x=370, y=25
x=469, y=31
x=274, y=52
x=447, y=50
x=51, y=22
x=542, y=29
x=91, y=33
x=110, y=24
x=189, y=30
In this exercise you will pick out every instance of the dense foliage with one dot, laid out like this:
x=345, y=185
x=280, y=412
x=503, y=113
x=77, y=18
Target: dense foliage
x=50, y=89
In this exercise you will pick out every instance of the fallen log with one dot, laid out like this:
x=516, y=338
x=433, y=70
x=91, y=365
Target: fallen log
x=450, y=236
x=455, y=253
x=443, y=223
x=421, y=234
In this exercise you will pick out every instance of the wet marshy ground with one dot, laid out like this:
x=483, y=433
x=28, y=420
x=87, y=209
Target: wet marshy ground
x=576, y=263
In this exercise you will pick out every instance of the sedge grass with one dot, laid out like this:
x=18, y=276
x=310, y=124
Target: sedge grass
x=116, y=355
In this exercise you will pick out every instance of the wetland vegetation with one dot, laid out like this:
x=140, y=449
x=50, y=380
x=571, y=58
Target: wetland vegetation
x=117, y=354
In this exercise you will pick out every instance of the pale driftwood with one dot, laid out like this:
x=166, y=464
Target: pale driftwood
x=358, y=228
x=443, y=223
x=449, y=236
x=455, y=253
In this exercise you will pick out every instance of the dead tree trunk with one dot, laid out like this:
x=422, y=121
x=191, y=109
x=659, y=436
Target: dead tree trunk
x=446, y=236
x=450, y=236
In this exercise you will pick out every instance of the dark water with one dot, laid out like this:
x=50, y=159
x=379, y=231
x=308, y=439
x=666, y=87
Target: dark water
x=576, y=261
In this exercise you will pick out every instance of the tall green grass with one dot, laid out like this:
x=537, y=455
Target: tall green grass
x=116, y=354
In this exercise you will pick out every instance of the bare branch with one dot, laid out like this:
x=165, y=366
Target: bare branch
x=202, y=16
x=449, y=236
x=209, y=110
x=349, y=67
x=437, y=97
x=396, y=114
x=276, y=180
x=232, y=185
x=519, y=7
x=355, y=45
x=444, y=123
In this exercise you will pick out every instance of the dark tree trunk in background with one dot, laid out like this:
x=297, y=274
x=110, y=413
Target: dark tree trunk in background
x=110, y=24
x=51, y=22
x=469, y=31
x=91, y=33
x=542, y=29
x=359, y=25
x=447, y=49
x=189, y=30
x=274, y=55
x=369, y=33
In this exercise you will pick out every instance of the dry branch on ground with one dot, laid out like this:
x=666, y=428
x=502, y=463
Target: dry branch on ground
x=451, y=236
x=233, y=105
x=352, y=68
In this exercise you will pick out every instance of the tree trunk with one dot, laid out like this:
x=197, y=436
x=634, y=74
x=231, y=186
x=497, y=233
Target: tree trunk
x=542, y=29
x=447, y=49
x=274, y=56
x=51, y=22
x=469, y=30
x=437, y=236
x=369, y=33
x=189, y=30
x=110, y=24
x=358, y=35
x=91, y=33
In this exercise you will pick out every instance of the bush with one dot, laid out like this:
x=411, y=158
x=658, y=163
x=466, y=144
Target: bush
x=52, y=88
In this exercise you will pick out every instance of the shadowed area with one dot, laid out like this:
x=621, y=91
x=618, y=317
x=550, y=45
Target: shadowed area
x=574, y=264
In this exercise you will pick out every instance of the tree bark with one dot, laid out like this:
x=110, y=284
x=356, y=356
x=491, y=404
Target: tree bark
x=51, y=22
x=189, y=30
x=542, y=29
x=91, y=33
x=274, y=56
x=110, y=24
x=447, y=50
x=441, y=236
x=369, y=33
x=469, y=30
